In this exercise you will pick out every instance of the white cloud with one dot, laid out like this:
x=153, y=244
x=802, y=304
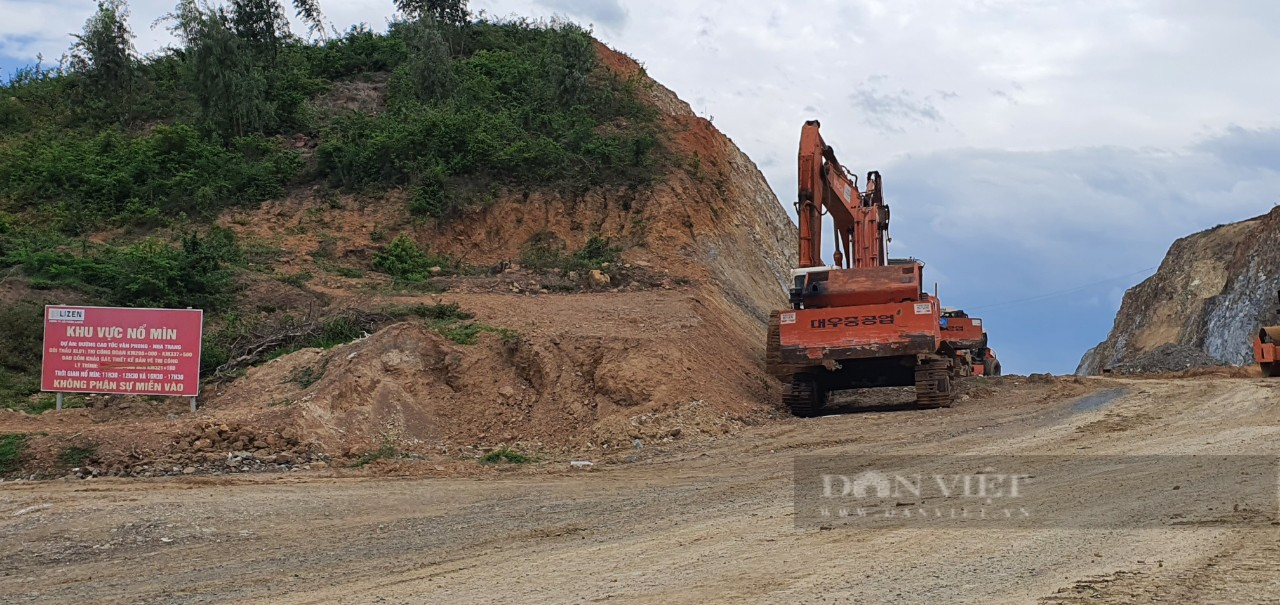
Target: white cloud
x=607, y=13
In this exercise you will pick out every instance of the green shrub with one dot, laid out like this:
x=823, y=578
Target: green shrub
x=438, y=311
x=402, y=259
x=526, y=106
x=506, y=455
x=76, y=455
x=127, y=179
x=359, y=50
x=12, y=447
x=149, y=273
x=297, y=280
x=387, y=451
x=22, y=327
x=468, y=333
x=334, y=332
x=545, y=253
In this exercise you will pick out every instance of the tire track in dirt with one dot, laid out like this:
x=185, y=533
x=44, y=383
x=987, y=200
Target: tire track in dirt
x=711, y=522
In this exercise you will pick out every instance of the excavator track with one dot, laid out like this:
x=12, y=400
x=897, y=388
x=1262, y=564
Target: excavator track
x=935, y=384
x=803, y=396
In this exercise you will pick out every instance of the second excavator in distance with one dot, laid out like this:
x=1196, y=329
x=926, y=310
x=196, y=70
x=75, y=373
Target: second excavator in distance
x=866, y=320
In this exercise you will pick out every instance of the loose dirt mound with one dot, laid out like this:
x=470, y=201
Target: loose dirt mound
x=566, y=381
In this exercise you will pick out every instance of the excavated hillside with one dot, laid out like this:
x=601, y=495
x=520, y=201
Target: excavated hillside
x=1202, y=307
x=668, y=345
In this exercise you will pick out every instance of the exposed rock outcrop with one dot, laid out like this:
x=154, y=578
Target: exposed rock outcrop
x=1210, y=294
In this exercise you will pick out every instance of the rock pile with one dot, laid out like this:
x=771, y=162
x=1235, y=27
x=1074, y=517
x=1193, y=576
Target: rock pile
x=1167, y=358
x=220, y=449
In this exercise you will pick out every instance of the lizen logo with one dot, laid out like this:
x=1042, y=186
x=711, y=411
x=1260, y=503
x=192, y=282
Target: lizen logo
x=66, y=315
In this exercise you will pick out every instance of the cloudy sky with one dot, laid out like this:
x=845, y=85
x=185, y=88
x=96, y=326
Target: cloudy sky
x=1039, y=155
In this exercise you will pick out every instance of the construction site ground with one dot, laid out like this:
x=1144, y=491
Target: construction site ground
x=707, y=521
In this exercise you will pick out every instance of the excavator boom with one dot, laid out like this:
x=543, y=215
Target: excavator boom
x=860, y=220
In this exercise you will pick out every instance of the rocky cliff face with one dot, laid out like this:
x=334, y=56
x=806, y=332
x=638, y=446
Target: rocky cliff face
x=1210, y=295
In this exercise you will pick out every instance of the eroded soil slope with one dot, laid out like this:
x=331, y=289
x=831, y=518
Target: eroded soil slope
x=665, y=345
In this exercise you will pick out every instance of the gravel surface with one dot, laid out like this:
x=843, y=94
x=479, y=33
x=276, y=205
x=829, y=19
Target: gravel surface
x=707, y=524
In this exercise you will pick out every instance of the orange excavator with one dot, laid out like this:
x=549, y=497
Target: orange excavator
x=965, y=335
x=864, y=321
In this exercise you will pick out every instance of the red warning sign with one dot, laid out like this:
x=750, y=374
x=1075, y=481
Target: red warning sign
x=122, y=351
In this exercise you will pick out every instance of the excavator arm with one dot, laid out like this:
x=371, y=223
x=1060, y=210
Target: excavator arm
x=860, y=220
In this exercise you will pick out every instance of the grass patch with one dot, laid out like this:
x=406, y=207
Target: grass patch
x=12, y=446
x=545, y=253
x=259, y=256
x=329, y=334
x=468, y=333
x=387, y=451
x=438, y=311
x=506, y=455
x=17, y=389
x=451, y=321
x=308, y=375
x=348, y=272
x=297, y=280
x=76, y=455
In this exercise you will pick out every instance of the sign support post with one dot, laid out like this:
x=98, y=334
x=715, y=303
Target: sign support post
x=59, y=401
x=193, y=405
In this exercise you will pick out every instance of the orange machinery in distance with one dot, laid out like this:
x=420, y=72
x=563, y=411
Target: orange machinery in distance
x=1266, y=347
x=864, y=321
x=965, y=335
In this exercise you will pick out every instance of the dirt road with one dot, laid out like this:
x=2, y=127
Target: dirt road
x=707, y=524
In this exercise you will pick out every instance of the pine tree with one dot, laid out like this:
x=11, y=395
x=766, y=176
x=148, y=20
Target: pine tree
x=446, y=12
x=261, y=23
x=309, y=12
x=223, y=72
x=429, y=62
x=103, y=54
